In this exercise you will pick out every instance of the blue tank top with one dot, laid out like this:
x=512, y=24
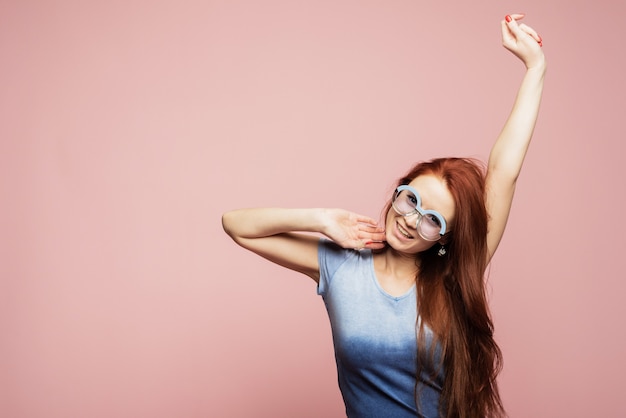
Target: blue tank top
x=374, y=336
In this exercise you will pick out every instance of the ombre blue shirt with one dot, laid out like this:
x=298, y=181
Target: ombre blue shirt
x=374, y=336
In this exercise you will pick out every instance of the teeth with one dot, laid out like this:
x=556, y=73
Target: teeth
x=404, y=231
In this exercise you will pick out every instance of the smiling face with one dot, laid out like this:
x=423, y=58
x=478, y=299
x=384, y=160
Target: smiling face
x=401, y=231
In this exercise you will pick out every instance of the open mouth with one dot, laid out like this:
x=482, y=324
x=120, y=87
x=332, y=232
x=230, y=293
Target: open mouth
x=403, y=231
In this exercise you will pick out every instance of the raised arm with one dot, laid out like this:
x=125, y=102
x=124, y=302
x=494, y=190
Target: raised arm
x=509, y=150
x=283, y=235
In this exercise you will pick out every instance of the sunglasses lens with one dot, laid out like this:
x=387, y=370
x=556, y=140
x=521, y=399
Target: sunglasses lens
x=429, y=227
x=405, y=202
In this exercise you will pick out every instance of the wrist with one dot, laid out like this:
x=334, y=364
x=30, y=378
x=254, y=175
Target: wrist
x=322, y=219
x=539, y=66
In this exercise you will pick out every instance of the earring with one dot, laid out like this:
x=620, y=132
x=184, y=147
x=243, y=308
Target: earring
x=442, y=251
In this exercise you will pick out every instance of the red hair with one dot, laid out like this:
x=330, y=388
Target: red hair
x=451, y=296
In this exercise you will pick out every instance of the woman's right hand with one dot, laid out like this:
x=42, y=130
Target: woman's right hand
x=351, y=230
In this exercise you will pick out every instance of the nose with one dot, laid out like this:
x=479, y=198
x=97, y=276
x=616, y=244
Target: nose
x=413, y=219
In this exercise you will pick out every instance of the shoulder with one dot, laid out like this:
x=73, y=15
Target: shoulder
x=333, y=258
x=330, y=252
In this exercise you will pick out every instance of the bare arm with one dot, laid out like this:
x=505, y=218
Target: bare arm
x=283, y=235
x=508, y=153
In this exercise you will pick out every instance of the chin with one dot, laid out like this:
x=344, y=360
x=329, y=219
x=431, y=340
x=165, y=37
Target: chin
x=412, y=246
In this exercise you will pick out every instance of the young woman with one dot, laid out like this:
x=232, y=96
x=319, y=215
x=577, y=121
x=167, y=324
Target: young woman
x=412, y=331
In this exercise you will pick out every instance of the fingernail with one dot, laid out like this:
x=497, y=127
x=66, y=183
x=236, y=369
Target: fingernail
x=508, y=18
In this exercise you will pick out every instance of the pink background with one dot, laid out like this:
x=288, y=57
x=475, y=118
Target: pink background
x=128, y=127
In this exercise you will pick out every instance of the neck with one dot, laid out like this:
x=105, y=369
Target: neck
x=399, y=266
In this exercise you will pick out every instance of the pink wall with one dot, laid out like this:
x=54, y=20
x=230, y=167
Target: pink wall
x=128, y=127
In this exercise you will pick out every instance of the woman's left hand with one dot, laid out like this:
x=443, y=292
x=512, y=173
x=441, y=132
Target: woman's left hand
x=522, y=40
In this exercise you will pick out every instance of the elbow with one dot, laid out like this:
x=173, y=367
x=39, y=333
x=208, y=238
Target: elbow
x=227, y=224
x=232, y=225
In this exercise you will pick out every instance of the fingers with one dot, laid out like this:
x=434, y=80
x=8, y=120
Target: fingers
x=507, y=35
x=370, y=229
x=512, y=32
x=377, y=237
x=367, y=224
x=366, y=220
x=373, y=238
x=373, y=234
x=531, y=32
x=510, y=22
x=369, y=234
x=372, y=245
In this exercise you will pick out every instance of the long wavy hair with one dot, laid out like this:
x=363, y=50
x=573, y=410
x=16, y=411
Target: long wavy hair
x=452, y=301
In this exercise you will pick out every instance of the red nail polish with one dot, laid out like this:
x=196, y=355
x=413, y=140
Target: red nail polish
x=508, y=18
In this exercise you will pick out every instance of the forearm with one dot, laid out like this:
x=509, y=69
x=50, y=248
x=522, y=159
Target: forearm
x=265, y=222
x=509, y=151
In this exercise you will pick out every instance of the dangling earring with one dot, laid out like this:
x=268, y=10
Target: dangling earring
x=442, y=251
